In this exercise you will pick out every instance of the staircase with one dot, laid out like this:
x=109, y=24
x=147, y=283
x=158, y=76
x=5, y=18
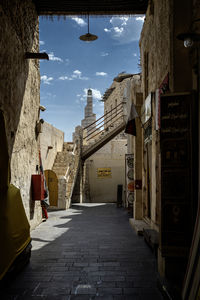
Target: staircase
x=66, y=166
x=63, y=160
x=106, y=128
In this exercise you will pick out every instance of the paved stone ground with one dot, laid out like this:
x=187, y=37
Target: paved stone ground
x=87, y=252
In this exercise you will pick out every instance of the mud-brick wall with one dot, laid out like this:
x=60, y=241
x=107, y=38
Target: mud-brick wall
x=20, y=95
x=51, y=142
x=155, y=42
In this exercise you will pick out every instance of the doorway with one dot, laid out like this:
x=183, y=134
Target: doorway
x=52, y=183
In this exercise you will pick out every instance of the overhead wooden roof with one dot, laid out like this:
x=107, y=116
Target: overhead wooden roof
x=101, y=7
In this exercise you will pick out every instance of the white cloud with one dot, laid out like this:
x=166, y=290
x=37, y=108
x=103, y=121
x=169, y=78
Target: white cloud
x=122, y=21
x=75, y=75
x=140, y=18
x=95, y=93
x=97, y=105
x=101, y=74
x=125, y=29
x=78, y=75
x=135, y=54
x=46, y=80
x=104, y=54
x=42, y=43
x=54, y=58
x=79, y=21
x=118, y=30
x=65, y=78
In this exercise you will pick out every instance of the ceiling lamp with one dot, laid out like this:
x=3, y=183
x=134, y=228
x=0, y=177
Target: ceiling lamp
x=88, y=37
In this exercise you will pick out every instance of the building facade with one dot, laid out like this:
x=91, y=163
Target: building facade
x=20, y=97
x=169, y=117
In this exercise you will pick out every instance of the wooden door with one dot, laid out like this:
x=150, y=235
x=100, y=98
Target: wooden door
x=52, y=183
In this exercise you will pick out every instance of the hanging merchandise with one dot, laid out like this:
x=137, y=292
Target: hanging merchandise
x=129, y=176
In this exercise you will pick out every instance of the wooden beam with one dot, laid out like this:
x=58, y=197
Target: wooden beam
x=32, y=55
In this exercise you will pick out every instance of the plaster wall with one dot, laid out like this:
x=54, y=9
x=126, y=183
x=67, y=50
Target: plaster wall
x=112, y=155
x=50, y=137
x=20, y=95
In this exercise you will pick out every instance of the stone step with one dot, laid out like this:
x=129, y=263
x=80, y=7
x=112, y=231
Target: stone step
x=60, y=168
x=63, y=157
x=60, y=171
x=61, y=164
x=63, y=167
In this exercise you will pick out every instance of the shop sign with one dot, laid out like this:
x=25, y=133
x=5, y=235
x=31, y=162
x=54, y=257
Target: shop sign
x=104, y=173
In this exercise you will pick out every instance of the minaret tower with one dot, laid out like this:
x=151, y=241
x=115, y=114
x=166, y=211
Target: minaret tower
x=89, y=117
x=89, y=106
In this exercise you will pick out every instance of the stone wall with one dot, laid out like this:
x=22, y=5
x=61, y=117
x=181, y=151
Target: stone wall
x=134, y=144
x=155, y=38
x=112, y=155
x=51, y=142
x=156, y=64
x=20, y=95
x=162, y=56
x=115, y=98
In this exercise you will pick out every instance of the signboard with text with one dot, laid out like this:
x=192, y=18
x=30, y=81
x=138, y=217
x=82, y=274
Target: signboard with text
x=104, y=173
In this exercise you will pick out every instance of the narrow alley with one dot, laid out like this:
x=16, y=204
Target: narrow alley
x=87, y=252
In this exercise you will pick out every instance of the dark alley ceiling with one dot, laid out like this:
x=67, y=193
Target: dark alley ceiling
x=102, y=7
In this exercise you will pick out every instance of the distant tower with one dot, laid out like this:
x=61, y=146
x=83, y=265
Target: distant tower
x=89, y=117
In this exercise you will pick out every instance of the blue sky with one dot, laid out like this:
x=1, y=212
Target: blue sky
x=75, y=66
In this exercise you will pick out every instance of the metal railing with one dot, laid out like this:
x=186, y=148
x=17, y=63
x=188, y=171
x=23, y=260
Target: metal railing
x=105, y=123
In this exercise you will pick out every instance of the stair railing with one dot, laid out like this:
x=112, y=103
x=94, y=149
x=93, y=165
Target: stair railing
x=104, y=123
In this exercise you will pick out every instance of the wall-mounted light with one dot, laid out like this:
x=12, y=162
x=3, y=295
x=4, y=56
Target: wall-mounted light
x=188, y=38
x=42, y=108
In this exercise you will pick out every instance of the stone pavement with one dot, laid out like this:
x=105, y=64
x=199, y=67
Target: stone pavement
x=87, y=252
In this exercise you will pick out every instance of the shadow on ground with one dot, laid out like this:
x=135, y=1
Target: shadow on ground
x=87, y=252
